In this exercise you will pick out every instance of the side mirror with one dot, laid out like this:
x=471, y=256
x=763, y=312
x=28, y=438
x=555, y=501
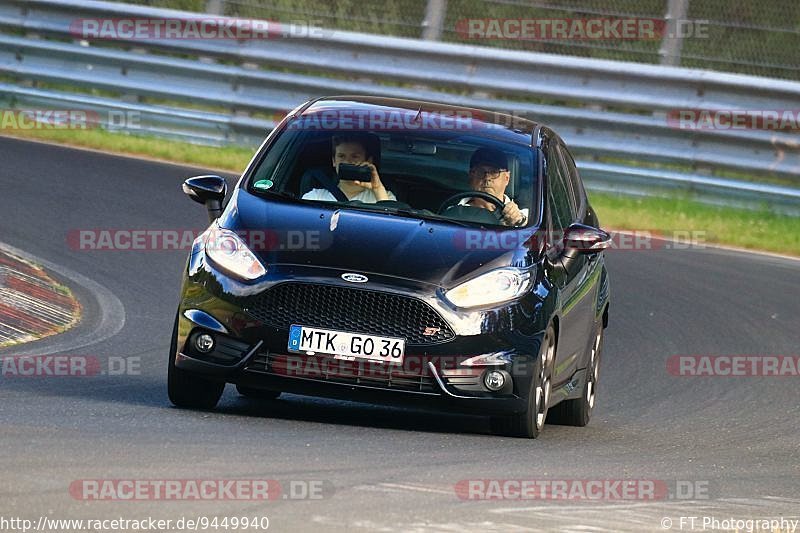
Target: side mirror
x=209, y=191
x=586, y=239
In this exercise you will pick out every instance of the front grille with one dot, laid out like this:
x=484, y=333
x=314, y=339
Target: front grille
x=331, y=370
x=352, y=310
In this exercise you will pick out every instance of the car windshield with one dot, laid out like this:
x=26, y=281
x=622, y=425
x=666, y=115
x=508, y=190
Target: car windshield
x=411, y=173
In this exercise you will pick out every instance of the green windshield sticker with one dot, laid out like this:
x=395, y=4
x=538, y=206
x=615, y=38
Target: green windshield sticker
x=263, y=184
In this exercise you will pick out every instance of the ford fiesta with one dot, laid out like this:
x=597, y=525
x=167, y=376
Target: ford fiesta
x=401, y=251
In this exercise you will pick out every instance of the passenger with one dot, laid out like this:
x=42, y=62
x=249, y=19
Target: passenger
x=352, y=149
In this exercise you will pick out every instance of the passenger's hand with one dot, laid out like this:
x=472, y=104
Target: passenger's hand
x=375, y=184
x=512, y=216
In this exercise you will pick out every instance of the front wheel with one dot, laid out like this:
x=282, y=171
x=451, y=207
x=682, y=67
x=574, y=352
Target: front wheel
x=186, y=389
x=530, y=422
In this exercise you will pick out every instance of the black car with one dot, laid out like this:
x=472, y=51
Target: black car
x=394, y=250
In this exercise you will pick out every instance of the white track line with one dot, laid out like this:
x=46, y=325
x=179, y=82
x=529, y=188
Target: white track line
x=111, y=310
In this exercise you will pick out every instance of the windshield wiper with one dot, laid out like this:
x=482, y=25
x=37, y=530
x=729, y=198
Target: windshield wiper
x=273, y=194
x=372, y=208
x=425, y=216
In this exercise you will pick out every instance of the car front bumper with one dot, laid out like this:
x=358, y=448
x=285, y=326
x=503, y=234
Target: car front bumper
x=251, y=352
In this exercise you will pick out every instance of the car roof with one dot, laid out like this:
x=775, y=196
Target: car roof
x=484, y=123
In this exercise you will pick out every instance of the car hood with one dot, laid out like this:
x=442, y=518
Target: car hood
x=287, y=232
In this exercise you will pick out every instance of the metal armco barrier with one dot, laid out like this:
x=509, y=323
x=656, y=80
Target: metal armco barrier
x=612, y=114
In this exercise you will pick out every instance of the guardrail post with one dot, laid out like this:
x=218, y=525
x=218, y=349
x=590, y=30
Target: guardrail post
x=214, y=7
x=672, y=42
x=24, y=14
x=433, y=24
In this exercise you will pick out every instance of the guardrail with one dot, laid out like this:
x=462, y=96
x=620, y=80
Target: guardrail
x=607, y=111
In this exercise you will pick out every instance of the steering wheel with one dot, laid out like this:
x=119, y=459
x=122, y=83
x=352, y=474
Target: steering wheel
x=498, y=213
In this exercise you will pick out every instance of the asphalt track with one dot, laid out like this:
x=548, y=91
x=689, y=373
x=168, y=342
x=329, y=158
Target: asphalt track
x=385, y=468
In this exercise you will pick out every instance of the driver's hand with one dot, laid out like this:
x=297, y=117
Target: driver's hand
x=375, y=184
x=512, y=216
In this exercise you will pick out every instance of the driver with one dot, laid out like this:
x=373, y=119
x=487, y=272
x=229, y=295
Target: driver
x=488, y=173
x=352, y=149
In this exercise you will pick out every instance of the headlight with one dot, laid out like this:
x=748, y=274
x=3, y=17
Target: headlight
x=494, y=287
x=230, y=252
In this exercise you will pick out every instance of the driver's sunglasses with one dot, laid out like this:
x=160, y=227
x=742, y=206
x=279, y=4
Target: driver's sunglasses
x=480, y=173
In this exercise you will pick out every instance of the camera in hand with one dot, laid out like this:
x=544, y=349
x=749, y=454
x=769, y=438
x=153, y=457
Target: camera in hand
x=354, y=172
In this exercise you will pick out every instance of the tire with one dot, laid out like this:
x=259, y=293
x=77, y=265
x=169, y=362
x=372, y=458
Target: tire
x=189, y=390
x=578, y=412
x=529, y=423
x=258, y=394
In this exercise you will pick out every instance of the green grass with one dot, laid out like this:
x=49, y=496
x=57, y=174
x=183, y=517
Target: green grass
x=741, y=228
x=230, y=158
x=755, y=230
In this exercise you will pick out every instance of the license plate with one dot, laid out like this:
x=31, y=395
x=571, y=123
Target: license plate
x=344, y=345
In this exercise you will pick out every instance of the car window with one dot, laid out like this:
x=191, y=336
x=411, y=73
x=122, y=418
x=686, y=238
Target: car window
x=420, y=170
x=562, y=212
x=571, y=172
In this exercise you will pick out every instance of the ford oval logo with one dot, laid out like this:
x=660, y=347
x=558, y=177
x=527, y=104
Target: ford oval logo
x=354, y=278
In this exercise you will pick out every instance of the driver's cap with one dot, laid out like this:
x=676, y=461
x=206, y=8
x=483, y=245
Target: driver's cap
x=489, y=156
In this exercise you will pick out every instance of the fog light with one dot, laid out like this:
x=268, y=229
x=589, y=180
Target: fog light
x=204, y=343
x=494, y=380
